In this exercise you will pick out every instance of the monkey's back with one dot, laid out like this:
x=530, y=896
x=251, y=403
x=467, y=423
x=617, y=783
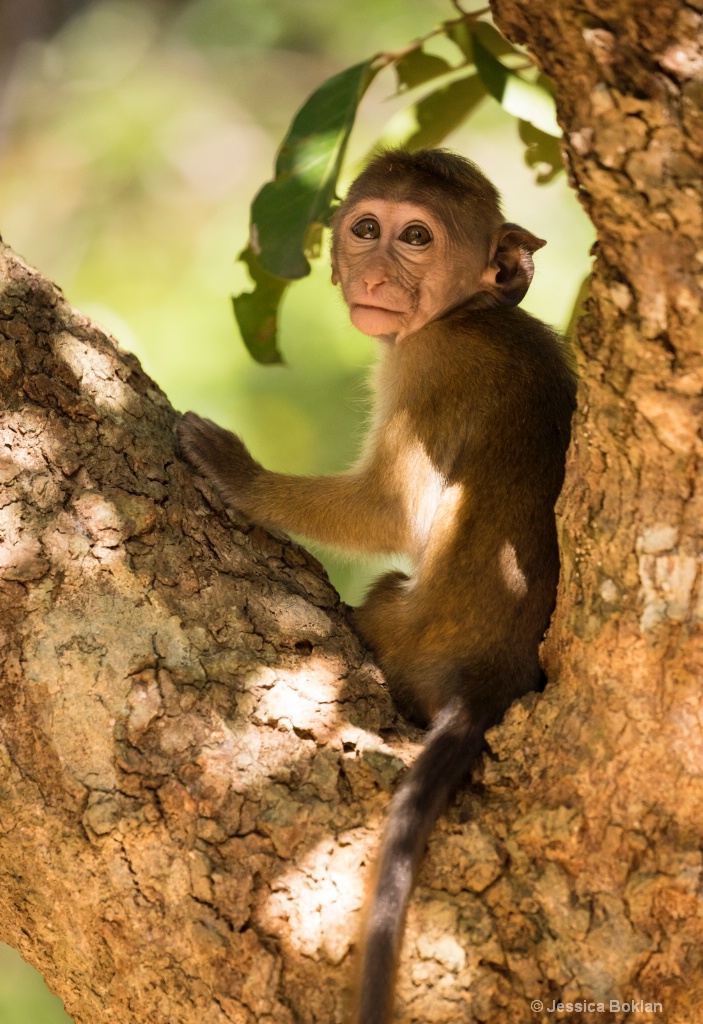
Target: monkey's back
x=489, y=395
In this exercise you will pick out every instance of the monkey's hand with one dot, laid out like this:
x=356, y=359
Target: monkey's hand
x=219, y=456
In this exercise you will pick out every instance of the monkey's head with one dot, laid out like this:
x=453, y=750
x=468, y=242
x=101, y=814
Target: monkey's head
x=422, y=233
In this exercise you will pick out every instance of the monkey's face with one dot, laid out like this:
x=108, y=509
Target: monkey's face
x=397, y=267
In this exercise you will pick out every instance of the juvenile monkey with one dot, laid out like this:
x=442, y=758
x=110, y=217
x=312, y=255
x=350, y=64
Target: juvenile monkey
x=462, y=466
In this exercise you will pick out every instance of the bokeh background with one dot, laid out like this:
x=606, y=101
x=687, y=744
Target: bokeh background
x=133, y=137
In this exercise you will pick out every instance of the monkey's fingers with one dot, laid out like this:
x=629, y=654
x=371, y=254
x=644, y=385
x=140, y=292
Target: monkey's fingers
x=218, y=455
x=200, y=440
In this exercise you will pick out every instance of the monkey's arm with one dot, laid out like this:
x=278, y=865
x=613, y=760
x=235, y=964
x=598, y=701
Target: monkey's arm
x=354, y=511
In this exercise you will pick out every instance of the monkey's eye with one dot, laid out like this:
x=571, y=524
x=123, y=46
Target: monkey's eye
x=416, y=234
x=368, y=227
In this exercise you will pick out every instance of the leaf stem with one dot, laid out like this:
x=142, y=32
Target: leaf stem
x=391, y=57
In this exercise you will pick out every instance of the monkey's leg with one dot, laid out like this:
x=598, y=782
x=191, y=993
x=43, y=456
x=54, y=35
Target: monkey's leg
x=353, y=511
x=423, y=630
x=389, y=623
x=382, y=614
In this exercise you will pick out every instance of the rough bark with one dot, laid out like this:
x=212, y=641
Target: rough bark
x=192, y=772
x=190, y=766
x=605, y=822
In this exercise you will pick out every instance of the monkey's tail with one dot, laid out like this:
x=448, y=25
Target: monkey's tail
x=452, y=746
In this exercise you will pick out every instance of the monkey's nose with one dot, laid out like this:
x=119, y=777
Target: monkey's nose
x=374, y=276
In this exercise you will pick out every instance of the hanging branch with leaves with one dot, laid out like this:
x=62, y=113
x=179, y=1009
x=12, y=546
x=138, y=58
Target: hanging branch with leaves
x=289, y=214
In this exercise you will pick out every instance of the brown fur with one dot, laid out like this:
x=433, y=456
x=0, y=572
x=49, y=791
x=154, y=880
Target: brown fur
x=462, y=466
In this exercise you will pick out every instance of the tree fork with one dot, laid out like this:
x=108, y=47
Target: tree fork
x=196, y=755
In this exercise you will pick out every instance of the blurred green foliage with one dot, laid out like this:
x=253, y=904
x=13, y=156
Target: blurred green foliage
x=132, y=144
x=24, y=998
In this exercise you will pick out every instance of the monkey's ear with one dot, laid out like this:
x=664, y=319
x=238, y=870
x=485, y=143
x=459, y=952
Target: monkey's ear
x=509, y=272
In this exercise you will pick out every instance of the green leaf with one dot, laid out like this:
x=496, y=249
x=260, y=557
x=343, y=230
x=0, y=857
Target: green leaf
x=490, y=39
x=257, y=312
x=418, y=67
x=307, y=168
x=542, y=152
x=525, y=100
x=545, y=82
x=464, y=33
x=460, y=34
x=444, y=110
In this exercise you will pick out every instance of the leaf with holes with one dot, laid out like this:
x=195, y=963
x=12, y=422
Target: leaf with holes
x=257, y=312
x=542, y=152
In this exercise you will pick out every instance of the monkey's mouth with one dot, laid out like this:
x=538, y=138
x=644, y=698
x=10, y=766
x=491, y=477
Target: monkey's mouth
x=379, y=309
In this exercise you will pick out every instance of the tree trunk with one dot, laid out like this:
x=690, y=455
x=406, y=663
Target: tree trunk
x=603, y=810
x=196, y=754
